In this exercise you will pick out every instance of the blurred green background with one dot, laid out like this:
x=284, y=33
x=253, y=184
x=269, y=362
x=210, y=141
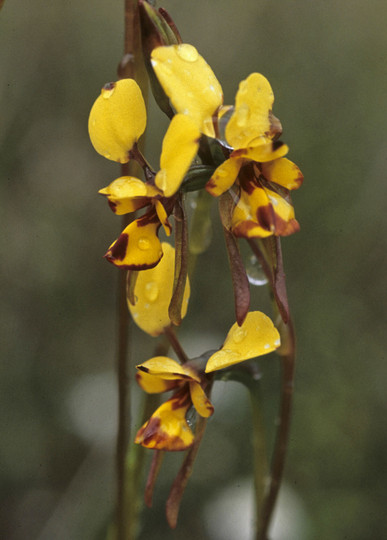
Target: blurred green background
x=326, y=62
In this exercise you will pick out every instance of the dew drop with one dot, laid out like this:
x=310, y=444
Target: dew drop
x=239, y=335
x=187, y=52
x=108, y=90
x=255, y=273
x=151, y=291
x=107, y=155
x=242, y=115
x=222, y=172
x=143, y=244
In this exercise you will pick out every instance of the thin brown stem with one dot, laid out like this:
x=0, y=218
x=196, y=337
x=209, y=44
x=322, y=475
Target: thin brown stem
x=129, y=67
x=281, y=443
x=181, y=480
x=175, y=344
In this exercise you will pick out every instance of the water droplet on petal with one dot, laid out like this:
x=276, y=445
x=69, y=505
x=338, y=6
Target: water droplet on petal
x=151, y=291
x=242, y=115
x=187, y=52
x=239, y=335
x=143, y=244
x=107, y=155
x=108, y=90
x=255, y=273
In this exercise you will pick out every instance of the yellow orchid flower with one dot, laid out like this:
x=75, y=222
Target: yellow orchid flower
x=138, y=246
x=250, y=138
x=153, y=293
x=168, y=429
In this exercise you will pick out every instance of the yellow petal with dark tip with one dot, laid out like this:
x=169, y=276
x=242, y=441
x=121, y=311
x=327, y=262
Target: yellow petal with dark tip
x=251, y=117
x=153, y=384
x=163, y=217
x=138, y=247
x=188, y=81
x=283, y=172
x=168, y=369
x=257, y=336
x=167, y=429
x=250, y=215
x=180, y=146
x=117, y=119
x=284, y=222
x=153, y=291
x=262, y=151
x=126, y=194
x=200, y=401
x=224, y=176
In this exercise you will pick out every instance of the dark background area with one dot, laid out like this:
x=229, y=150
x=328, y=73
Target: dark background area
x=326, y=62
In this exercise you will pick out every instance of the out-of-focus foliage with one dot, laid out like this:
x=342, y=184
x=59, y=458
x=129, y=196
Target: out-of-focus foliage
x=326, y=63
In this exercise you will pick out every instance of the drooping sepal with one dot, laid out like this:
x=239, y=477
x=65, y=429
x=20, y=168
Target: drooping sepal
x=153, y=293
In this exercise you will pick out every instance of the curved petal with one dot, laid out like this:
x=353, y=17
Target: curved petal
x=282, y=215
x=200, y=401
x=117, y=119
x=167, y=429
x=224, y=176
x=257, y=336
x=151, y=384
x=168, y=369
x=180, y=146
x=126, y=194
x=262, y=151
x=163, y=217
x=252, y=114
x=283, y=172
x=153, y=292
x=252, y=216
x=188, y=81
x=138, y=247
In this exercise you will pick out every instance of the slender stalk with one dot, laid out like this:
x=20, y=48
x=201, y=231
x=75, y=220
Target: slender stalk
x=130, y=66
x=175, y=344
x=181, y=480
x=261, y=466
x=280, y=448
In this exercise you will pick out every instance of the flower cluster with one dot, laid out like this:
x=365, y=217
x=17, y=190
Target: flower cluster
x=241, y=158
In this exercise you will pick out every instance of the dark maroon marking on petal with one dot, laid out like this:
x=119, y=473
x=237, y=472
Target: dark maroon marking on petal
x=246, y=178
x=238, y=152
x=152, y=432
x=109, y=86
x=286, y=228
x=265, y=217
x=275, y=126
x=118, y=250
x=112, y=205
x=181, y=399
x=276, y=144
x=142, y=368
x=242, y=229
x=137, y=267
